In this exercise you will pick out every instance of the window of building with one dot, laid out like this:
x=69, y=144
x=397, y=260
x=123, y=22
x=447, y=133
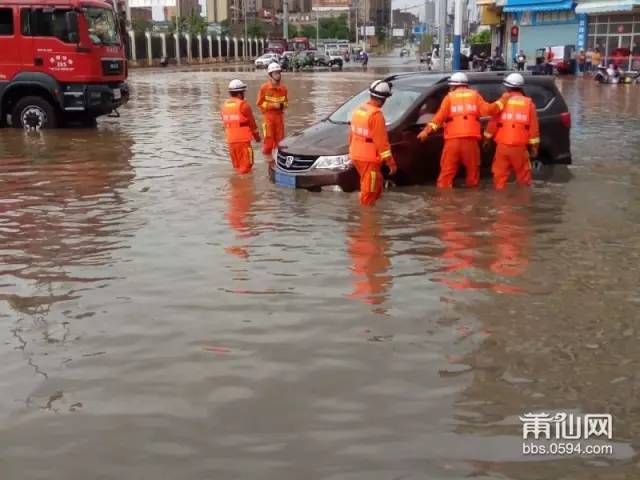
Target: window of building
x=6, y=21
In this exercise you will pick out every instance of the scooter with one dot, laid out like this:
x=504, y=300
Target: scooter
x=607, y=75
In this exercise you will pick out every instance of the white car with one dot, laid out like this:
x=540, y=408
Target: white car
x=266, y=59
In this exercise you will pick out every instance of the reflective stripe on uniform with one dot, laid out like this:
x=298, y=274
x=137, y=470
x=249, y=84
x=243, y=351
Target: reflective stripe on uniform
x=274, y=99
x=464, y=94
x=534, y=141
x=385, y=154
x=264, y=130
x=372, y=182
x=434, y=126
x=488, y=135
x=250, y=155
x=500, y=104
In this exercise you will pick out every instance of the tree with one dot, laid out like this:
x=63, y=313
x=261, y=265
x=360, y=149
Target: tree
x=293, y=31
x=335, y=27
x=140, y=26
x=255, y=29
x=308, y=31
x=225, y=27
x=480, y=37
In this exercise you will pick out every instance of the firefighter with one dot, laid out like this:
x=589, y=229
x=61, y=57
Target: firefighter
x=516, y=133
x=273, y=99
x=369, y=145
x=240, y=126
x=460, y=114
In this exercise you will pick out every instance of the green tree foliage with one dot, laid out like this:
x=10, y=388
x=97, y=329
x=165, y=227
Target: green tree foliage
x=293, y=31
x=225, y=27
x=256, y=29
x=336, y=27
x=308, y=31
x=140, y=26
x=480, y=37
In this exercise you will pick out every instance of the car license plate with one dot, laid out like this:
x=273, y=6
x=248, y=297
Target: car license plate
x=285, y=180
x=117, y=95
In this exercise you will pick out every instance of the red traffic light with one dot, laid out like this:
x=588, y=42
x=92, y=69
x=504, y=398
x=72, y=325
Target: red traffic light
x=514, y=33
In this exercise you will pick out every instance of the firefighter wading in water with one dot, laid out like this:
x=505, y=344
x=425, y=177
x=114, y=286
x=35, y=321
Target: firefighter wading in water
x=369, y=143
x=516, y=132
x=460, y=114
x=273, y=99
x=240, y=127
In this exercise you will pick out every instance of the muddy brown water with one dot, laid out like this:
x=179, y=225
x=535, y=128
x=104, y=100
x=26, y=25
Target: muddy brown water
x=161, y=317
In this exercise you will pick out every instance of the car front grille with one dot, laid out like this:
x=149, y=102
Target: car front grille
x=112, y=67
x=295, y=163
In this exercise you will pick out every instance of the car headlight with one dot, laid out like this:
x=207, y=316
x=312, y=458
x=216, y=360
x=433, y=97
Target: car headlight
x=336, y=162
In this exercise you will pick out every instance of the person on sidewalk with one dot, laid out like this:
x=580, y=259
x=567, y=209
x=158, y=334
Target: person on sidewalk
x=460, y=113
x=517, y=134
x=521, y=60
x=369, y=146
x=273, y=99
x=240, y=127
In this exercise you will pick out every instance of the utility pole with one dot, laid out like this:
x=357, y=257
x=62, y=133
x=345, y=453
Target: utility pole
x=285, y=19
x=246, y=36
x=442, y=32
x=390, y=25
x=357, y=28
x=317, y=30
x=457, y=35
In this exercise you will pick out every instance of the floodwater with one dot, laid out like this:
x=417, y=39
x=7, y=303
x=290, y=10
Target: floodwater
x=161, y=317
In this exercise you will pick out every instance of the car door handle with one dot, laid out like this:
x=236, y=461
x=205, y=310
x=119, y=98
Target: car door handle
x=38, y=61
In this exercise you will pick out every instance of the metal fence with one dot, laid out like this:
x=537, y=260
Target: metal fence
x=151, y=48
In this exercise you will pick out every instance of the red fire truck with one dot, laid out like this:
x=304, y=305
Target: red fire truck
x=59, y=60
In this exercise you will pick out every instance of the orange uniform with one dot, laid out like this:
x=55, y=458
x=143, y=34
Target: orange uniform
x=460, y=114
x=240, y=126
x=272, y=101
x=515, y=130
x=368, y=149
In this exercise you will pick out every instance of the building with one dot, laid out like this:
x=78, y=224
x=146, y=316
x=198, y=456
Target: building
x=187, y=8
x=217, y=10
x=613, y=27
x=144, y=14
x=402, y=19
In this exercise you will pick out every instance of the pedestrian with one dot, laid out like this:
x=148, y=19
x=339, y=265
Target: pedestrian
x=521, y=60
x=548, y=61
x=273, y=99
x=597, y=58
x=516, y=133
x=369, y=146
x=460, y=113
x=365, y=59
x=240, y=127
x=582, y=60
x=589, y=60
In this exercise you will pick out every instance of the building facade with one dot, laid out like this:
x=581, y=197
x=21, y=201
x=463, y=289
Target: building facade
x=612, y=27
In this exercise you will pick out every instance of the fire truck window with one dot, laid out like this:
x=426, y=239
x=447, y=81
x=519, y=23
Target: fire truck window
x=25, y=22
x=6, y=21
x=48, y=23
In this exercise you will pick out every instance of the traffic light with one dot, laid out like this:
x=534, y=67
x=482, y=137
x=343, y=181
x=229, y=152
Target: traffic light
x=514, y=34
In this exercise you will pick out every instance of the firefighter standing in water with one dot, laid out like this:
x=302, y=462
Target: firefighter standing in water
x=516, y=133
x=273, y=99
x=369, y=145
x=240, y=127
x=460, y=114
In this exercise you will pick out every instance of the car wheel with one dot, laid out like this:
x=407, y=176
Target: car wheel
x=34, y=113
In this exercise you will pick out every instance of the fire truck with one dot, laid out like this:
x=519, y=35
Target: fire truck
x=61, y=60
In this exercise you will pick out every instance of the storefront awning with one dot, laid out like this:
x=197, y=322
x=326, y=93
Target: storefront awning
x=538, y=6
x=485, y=3
x=489, y=16
x=606, y=6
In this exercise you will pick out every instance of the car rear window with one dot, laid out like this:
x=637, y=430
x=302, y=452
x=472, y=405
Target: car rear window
x=396, y=106
x=493, y=91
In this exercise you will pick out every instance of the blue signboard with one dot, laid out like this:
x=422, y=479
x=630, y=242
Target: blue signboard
x=582, y=31
x=420, y=29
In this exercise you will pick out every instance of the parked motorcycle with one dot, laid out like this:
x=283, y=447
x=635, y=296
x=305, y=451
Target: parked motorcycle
x=612, y=75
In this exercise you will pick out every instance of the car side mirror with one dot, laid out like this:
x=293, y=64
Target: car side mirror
x=71, y=19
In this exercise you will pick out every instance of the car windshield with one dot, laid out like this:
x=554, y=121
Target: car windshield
x=393, y=109
x=102, y=27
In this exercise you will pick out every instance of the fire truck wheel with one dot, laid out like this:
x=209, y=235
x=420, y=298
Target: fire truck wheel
x=34, y=113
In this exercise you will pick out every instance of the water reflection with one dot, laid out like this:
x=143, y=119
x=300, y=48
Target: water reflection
x=370, y=264
x=240, y=201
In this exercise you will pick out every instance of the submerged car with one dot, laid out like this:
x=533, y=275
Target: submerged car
x=265, y=60
x=317, y=157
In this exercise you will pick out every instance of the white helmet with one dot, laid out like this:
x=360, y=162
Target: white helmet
x=237, y=86
x=514, y=80
x=380, y=89
x=458, y=79
x=274, y=67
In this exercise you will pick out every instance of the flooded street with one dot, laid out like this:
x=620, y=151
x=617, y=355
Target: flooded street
x=162, y=317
